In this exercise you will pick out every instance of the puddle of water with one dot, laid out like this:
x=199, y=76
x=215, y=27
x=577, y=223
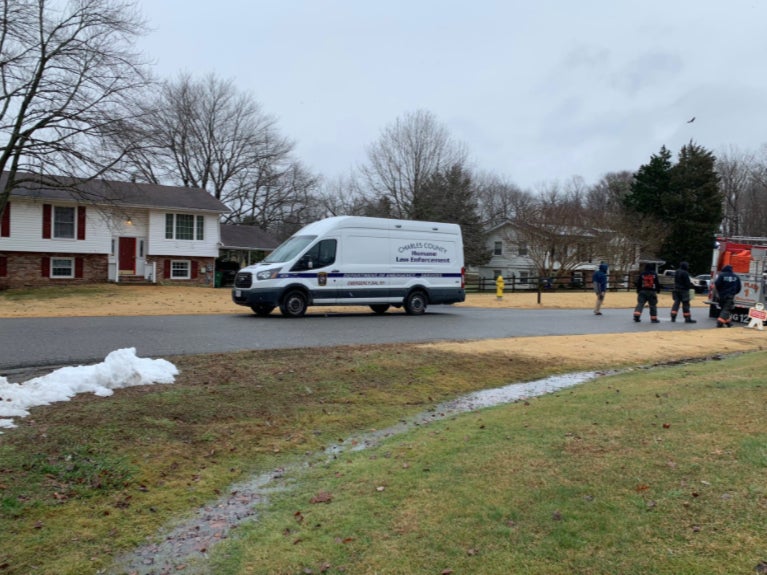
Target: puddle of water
x=184, y=548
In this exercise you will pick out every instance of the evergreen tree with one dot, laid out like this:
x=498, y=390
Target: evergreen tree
x=685, y=199
x=449, y=196
x=694, y=207
x=652, y=182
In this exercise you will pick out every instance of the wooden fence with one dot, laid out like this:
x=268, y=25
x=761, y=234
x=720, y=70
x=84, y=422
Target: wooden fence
x=476, y=284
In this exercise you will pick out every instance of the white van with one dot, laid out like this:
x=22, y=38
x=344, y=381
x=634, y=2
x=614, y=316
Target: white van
x=349, y=260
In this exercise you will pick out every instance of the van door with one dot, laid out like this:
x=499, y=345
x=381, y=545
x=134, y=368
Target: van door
x=314, y=270
x=361, y=271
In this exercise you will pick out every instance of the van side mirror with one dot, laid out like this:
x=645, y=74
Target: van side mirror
x=305, y=263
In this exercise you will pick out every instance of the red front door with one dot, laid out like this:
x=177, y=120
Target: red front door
x=127, y=256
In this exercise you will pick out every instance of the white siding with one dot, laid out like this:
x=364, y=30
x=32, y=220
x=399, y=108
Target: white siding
x=27, y=232
x=102, y=225
x=509, y=261
x=159, y=246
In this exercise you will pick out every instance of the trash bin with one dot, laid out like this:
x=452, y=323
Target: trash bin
x=217, y=279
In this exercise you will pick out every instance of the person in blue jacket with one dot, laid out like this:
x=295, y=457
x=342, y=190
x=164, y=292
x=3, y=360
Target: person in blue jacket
x=599, y=279
x=727, y=286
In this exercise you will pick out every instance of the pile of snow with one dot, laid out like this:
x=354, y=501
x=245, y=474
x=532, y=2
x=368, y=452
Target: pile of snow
x=121, y=368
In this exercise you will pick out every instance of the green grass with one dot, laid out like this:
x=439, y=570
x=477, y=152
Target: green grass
x=50, y=293
x=654, y=471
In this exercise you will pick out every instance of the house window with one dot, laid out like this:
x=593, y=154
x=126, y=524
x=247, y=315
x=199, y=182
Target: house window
x=112, y=248
x=184, y=227
x=180, y=269
x=498, y=249
x=522, y=249
x=62, y=267
x=141, y=248
x=524, y=277
x=63, y=222
x=200, y=233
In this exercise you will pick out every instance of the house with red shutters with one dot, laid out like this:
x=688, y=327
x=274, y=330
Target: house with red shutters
x=108, y=231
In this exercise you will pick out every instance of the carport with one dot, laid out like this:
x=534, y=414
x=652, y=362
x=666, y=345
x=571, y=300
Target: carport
x=240, y=246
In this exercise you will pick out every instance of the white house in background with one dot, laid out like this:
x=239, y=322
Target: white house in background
x=108, y=231
x=510, y=258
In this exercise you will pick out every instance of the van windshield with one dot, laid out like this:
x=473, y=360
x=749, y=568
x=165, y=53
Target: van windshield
x=289, y=249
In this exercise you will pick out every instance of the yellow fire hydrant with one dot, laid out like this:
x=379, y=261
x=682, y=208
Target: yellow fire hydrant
x=499, y=288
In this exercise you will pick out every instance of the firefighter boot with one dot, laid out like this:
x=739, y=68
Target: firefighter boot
x=690, y=320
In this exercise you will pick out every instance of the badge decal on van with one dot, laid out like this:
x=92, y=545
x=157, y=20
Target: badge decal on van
x=322, y=278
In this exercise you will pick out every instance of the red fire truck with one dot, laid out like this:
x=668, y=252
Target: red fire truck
x=748, y=258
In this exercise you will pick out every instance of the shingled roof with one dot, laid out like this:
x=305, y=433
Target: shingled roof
x=110, y=192
x=239, y=237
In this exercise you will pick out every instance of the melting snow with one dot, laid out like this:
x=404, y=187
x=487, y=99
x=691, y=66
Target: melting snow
x=121, y=368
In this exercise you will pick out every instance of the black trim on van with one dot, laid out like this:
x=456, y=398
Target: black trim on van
x=357, y=296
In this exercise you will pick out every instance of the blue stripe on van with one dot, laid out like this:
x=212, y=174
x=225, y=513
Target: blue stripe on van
x=310, y=275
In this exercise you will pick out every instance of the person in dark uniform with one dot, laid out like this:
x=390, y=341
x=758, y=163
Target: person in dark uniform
x=681, y=293
x=727, y=286
x=648, y=288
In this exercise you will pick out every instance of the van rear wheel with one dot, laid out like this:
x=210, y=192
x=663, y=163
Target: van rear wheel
x=380, y=308
x=293, y=304
x=415, y=303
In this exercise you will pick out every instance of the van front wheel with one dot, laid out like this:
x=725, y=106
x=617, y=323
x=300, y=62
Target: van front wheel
x=415, y=303
x=262, y=310
x=293, y=304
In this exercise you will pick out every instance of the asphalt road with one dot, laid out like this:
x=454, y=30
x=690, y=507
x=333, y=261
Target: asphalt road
x=49, y=342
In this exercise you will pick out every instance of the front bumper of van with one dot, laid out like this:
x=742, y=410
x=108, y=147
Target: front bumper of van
x=253, y=297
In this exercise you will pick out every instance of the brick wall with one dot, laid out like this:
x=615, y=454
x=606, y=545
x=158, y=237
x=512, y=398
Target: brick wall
x=24, y=269
x=198, y=277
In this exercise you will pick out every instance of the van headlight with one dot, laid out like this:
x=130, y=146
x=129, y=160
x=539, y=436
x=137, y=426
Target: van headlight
x=268, y=274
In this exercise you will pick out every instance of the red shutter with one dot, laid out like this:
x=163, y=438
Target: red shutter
x=5, y=227
x=195, y=269
x=45, y=267
x=46, y=222
x=78, y=267
x=3, y=266
x=80, y=222
x=167, y=269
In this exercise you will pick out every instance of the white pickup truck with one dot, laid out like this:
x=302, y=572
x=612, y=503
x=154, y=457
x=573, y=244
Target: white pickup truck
x=666, y=279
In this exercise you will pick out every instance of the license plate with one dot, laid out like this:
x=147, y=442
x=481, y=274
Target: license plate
x=237, y=293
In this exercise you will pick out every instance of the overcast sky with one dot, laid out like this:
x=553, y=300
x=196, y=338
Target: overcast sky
x=538, y=91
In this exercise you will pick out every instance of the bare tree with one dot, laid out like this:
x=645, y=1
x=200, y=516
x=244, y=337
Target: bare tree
x=621, y=238
x=554, y=231
x=67, y=70
x=206, y=134
x=500, y=201
x=736, y=179
x=752, y=209
x=280, y=202
x=341, y=197
x=408, y=152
